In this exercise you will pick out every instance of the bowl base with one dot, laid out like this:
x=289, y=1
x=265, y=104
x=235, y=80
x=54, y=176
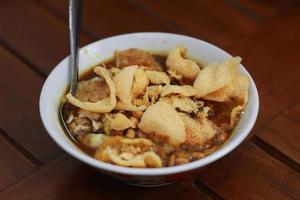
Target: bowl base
x=145, y=184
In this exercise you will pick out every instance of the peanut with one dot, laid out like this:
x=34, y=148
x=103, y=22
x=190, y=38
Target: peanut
x=180, y=161
x=130, y=133
x=171, y=161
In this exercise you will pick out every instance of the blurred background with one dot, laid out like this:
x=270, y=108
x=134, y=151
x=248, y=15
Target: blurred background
x=265, y=33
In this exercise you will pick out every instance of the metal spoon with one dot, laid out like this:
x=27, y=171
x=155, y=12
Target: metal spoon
x=74, y=25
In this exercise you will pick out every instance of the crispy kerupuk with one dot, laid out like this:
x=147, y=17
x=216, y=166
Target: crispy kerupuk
x=147, y=110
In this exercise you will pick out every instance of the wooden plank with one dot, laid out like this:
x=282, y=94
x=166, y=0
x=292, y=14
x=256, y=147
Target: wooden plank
x=214, y=21
x=106, y=18
x=283, y=133
x=293, y=112
x=265, y=8
x=250, y=173
x=67, y=178
x=13, y=165
x=36, y=34
x=20, y=90
x=271, y=56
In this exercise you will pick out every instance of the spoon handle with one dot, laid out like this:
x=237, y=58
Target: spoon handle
x=74, y=25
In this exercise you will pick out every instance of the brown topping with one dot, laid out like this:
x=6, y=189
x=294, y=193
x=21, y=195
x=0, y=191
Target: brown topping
x=137, y=57
x=92, y=90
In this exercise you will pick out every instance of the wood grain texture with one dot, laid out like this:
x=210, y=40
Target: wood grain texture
x=272, y=59
x=107, y=18
x=266, y=8
x=213, y=21
x=13, y=165
x=67, y=178
x=36, y=34
x=20, y=89
x=293, y=112
x=249, y=173
x=283, y=133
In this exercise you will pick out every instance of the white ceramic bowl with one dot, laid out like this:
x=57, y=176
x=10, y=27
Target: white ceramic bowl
x=57, y=81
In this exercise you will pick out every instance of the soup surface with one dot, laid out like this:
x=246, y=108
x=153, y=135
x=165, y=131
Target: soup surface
x=141, y=109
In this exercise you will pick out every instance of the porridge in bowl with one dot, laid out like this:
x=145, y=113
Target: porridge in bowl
x=147, y=110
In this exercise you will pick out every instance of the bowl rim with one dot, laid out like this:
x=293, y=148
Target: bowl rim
x=149, y=171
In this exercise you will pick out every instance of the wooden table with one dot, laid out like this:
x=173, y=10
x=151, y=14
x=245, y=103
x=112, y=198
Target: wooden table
x=266, y=34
